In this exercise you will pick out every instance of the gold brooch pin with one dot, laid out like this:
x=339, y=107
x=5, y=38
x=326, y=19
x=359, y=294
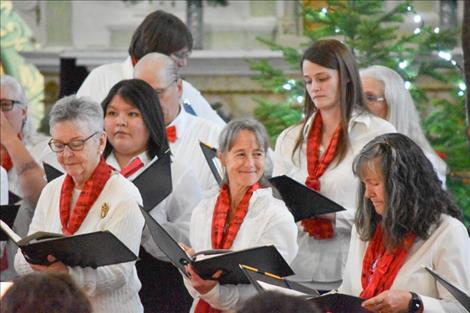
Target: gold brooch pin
x=104, y=210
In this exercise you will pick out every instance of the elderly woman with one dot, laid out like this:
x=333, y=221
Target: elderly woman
x=90, y=197
x=319, y=152
x=243, y=212
x=405, y=220
x=387, y=97
x=133, y=121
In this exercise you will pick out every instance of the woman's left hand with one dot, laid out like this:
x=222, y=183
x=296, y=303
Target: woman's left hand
x=201, y=285
x=389, y=301
x=54, y=267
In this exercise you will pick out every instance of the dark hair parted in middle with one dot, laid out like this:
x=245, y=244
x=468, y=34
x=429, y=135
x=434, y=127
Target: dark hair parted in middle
x=141, y=95
x=160, y=32
x=414, y=197
x=334, y=55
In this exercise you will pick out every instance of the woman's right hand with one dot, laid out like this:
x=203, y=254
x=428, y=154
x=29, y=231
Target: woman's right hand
x=202, y=286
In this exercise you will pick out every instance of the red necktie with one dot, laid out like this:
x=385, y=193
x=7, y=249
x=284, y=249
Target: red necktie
x=132, y=167
x=171, y=133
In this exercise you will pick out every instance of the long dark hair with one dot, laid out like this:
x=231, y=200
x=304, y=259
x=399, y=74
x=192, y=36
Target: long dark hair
x=140, y=95
x=334, y=55
x=414, y=197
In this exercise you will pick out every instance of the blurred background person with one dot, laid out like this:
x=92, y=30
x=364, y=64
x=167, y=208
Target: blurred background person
x=243, y=212
x=90, y=197
x=275, y=302
x=160, y=32
x=184, y=130
x=28, y=294
x=405, y=220
x=387, y=97
x=133, y=121
x=319, y=153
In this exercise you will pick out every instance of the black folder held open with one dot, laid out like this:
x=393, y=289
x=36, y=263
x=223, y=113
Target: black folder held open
x=154, y=183
x=51, y=172
x=266, y=258
x=458, y=293
x=302, y=201
x=86, y=250
x=8, y=214
x=210, y=154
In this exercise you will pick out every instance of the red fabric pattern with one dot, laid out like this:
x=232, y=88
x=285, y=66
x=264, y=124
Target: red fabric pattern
x=171, y=133
x=132, y=167
x=318, y=227
x=381, y=266
x=222, y=237
x=90, y=192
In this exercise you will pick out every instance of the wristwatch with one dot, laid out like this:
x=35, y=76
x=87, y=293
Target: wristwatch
x=416, y=304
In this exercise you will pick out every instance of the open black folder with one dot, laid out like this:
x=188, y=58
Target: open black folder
x=458, y=293
x=13, y=198
x=51, y=172
x=154, y=183
x=206, y=263
x=86, y=250
x=302, y=201
x=210, y=153
x=8, y=214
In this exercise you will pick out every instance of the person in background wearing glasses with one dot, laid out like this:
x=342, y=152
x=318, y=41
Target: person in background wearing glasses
x=91, y=196
x=387, y=97
x=159, y=32
x=184, y=130
x=22, y=151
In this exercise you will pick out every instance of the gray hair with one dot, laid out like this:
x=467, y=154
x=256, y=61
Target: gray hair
x=232, y=129
x=77, y=110
x=161, y=65
x=402, y=112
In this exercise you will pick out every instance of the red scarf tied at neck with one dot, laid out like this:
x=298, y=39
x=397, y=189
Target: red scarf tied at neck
x=72, y=219
x=222, y=236
x=318, y=227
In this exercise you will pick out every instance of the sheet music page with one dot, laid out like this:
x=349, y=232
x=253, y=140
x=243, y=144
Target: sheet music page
x=289, y=292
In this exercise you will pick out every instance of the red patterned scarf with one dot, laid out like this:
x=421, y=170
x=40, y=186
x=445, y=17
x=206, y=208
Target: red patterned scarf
x=223, y=237
x=132, y=167
x=318, y=227
x=72, y=219
x=381, y=266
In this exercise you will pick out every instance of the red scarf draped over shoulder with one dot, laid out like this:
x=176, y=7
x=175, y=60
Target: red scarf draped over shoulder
x=380, y=266
x=222, y=237
x=318, y=227
x=71, y=219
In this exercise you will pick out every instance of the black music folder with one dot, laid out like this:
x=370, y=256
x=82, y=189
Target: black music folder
x=206, y=263
x=462, y=297
x=51, y=172
x=85, y=250
x=339, y=303
x=210, y=153
x=154, y=183
x=8, y=214
x=263, y=281
x=302, y=201
x=13, y=198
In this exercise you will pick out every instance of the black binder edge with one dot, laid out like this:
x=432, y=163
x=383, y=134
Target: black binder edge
x=205, y=150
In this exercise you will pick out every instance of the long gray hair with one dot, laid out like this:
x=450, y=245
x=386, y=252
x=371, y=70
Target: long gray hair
x=414, y=197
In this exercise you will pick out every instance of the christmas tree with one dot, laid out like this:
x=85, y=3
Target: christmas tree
x=375, y=37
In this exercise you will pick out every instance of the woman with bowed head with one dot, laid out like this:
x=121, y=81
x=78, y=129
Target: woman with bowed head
x=319, y=152
x=90, y=197
x=133, y=121
x=243, y=214
x=405, y=220
x=387, y=97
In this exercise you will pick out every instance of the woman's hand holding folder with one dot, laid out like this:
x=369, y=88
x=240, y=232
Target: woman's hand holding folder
x=54, y=266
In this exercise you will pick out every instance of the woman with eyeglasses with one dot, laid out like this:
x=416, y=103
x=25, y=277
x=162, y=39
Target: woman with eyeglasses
x=135, y=128
x=319, y=152
x=91, y=196
x=387, y=97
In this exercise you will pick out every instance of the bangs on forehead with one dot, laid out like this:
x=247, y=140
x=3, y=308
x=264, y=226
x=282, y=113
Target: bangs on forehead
x=236, y=134
x=369, y=166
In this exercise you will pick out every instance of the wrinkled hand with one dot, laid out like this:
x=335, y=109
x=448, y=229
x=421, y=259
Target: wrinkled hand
x=189, y=251
x=54, y=267
x=200, y=285
x=389, y=301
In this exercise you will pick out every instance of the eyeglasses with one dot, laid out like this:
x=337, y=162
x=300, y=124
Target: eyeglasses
x=7, y=104
x=181, y=55
x=371, y=98
x=74, y=145
x=160, y=91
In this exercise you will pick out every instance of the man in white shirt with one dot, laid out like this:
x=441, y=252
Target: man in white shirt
x=183, y=129
x=159, y=32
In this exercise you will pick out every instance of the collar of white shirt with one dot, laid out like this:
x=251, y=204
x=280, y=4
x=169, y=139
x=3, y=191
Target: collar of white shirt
x=181, y=122
x=356, y=117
